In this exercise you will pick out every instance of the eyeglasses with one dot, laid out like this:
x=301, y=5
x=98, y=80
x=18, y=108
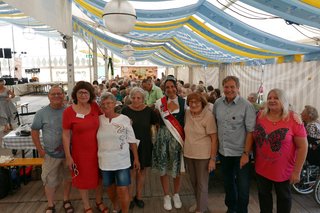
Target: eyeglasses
x=75, y=170
x=83, y=93
x=194, y=102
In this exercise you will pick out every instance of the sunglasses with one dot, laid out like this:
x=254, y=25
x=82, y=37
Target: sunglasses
x=75, y=170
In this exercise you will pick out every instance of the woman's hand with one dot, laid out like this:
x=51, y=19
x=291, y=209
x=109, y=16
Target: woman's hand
x=211, y=165
x=70, y=162
x=295, y=177
x=136, y=164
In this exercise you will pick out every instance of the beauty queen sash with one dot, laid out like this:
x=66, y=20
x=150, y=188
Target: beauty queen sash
x=171, y=122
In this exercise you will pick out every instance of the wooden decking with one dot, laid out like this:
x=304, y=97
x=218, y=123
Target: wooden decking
x=31, y=198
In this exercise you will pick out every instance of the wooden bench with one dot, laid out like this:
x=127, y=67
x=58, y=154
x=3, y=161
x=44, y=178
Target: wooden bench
x=23, y=162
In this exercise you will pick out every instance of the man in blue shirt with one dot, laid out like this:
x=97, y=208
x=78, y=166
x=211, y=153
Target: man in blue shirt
x=235, y=120
x=54, y=169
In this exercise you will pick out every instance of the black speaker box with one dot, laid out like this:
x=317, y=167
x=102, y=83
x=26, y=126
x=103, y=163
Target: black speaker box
x=7, y=53
x=1, y=53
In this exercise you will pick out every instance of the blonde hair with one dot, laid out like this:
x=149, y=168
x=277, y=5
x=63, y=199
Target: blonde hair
x=283, y=101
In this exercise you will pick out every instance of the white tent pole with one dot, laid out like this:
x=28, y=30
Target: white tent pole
x=50, y=65
x=70, y=65
x=94, y=59
x=175, y=70
x=190, y=74
x=13, y=51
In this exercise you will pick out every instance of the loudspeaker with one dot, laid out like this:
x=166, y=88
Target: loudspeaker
x=7, y=53
x=1, y=53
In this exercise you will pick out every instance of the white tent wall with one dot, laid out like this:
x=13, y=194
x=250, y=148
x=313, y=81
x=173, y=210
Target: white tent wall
x=209, y=75
x=299, y=80
x=183, y=74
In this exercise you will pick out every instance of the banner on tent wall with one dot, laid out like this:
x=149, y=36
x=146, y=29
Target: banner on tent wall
x=135, y=72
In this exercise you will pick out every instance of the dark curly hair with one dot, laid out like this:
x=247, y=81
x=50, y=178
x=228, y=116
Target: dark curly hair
x=83, y=85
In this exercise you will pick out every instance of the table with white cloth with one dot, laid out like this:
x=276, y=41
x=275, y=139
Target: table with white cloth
x=13, y=141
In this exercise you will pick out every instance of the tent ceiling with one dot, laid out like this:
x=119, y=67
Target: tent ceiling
x=198, y=32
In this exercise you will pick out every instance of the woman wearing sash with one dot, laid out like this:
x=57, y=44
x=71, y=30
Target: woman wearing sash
x=166, y=155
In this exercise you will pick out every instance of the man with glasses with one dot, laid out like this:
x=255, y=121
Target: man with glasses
x=54, y=169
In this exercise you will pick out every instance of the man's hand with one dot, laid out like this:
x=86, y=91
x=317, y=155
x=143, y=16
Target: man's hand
x=244, y=160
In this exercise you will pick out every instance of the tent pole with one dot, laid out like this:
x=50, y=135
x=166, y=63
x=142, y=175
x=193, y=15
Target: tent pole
x=105, y=58
x=95, y=59
x=70, y=65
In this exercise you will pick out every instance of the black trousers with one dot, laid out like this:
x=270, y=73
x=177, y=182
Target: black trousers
x=283, y=193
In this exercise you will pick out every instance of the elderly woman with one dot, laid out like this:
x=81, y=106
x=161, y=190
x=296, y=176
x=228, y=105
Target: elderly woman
x=281, y=148
x=166, y=155
x=200, y=148
x=80, y=124
x=142, y=117
x=115, y=136
x=310, y=118
x=7, y=108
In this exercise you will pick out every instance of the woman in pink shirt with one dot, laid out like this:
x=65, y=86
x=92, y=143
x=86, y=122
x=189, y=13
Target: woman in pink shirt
x=200, y=148
x=281, y=149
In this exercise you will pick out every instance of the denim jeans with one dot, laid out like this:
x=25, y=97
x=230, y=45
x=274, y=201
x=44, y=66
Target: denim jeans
x=236, y=184
x=283, y=192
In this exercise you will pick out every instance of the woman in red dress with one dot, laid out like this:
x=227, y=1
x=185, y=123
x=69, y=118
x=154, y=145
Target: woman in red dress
x=80, y=126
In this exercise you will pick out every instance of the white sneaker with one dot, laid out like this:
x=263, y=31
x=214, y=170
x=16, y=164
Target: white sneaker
x=176, y=201
x=167, y=203
x=193, y=208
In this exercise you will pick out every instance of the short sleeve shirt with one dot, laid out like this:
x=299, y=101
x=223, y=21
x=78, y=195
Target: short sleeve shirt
x=275, y=149
x=234, y=121
x=49, y=120
x=198, y=129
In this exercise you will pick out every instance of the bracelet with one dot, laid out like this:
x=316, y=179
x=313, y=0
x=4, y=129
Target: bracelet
x=213, y=158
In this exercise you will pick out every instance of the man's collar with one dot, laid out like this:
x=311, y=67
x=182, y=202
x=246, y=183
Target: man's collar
x=235, y=100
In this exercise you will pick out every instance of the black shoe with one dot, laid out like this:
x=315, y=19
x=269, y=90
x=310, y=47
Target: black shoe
x=139, y=203
x=131, y=204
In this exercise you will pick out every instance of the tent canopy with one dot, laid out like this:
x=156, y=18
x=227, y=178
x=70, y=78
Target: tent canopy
x=199, y=33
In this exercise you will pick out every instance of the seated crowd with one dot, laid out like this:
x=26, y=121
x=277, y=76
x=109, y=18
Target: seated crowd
x=110, y=133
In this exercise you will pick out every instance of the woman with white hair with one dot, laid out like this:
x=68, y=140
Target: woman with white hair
x=142, y=117
x=115, y=137
x=281, y=148
x=310, y=118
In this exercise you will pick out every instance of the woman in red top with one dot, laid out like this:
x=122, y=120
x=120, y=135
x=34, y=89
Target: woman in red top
x=80, y=126
x=280, y=148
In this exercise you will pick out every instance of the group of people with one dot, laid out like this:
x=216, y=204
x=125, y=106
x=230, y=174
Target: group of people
x=102, y=147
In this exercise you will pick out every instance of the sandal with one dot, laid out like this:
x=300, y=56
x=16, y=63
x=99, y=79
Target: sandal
x=68, y=208
x=51, y=209
x=104, y=210
x=87, y=210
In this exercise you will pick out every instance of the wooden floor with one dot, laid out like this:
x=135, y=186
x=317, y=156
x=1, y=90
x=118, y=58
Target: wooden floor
x=30, y=198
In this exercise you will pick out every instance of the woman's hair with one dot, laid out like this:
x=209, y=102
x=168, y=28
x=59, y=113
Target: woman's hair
x=172, y=79
x=136, y=90
x=83, y=85
x=107, y=95
x=312, y=112
x=283, y=101
x=198, y=97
